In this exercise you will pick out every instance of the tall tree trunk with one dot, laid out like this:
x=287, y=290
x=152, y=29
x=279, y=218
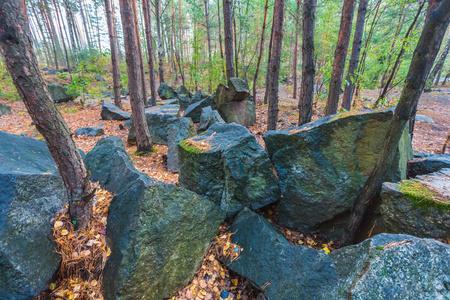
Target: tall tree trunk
x=113, y=14
x=339, y=57
x=84, y=24
x=158, y=29
x=438, y=67
x=139, y=53
x=52, y=39
x=20, y=60
x=305, y=102
x=261, y=49
x=220, y=29
x=71, y=25
x=134, y=71
x=62, y=36
x=114, y=62
x=421, y=62
x=177, y=53
x=44, y=40
x=52, y=25
x=399, y=57
x=228, y=38
x=297, y=17
x=98, y=27
x=268, y=63
x=236, y=51
x=209, y=44
x=273, y=69
x=181, y=35
x=354, y=58
x=149, y=38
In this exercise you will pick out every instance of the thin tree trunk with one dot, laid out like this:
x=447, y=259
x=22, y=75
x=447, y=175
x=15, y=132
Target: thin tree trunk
x=297, y=17
x=228, y=38
x=52, y=25
x=421, y=62
x=62, y=37
x=98, y=27
x=151, y=65
x=268, y=63
x=52, y=39
x=139, y=53
x=438, y=67
x=177, y=53
x=20, y=60
x=399, y=57
x=339, y=57
x=209, y=43
x=160, y=54
x=305, y=103
x=113, y=14
x=181, y=36
x=43, y=36
x=84, y=24
x=114, y=62
x=236, y=52
x=273, y=69
x=220, y=29
x=261, y=49
x=354, y=58
x=137, y=99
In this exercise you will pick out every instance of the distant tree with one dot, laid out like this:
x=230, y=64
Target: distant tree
x=354, y=58
x=261, y=49
x=340, y=55
x=52, y=38
x=62, y=36
x=273, y=70
x=438, y=67
x=228, y=38
x=143, y=140
x=220, y=28
x=16, y=48
x=149, y=38
x=114, y=61
x=308, y=67
x=422, y=60
x=295, y=63
x=160, y=40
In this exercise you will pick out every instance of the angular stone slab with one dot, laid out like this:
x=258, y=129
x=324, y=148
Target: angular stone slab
x=112, y=112
x=208, y=118
x=323, y=165
x=428, y=163
x=236, y=90
x=242, y=112
x=178, y=131
x=194, y=111
x=227, y=165
x=166, y=92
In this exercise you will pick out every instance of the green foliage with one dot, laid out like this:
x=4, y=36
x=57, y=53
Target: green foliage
x=83, y=82
x=7, y=88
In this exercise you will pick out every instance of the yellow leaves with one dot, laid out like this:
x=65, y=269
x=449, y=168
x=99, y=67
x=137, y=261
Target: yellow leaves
x=325, y=249
x=234, y=281
x=52, y=286
x=64, y=232
x=58, y=224
x=94, y=282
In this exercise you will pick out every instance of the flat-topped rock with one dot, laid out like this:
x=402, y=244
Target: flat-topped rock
x=419, y=206
x=227, y=165
x=323, y=165
x=90, y=131
x=424, y=163
x=236, y=90
x=112, y=112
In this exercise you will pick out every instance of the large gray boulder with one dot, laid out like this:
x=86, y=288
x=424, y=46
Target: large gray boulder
x=390, y=266
x=240, y=112
x=236, y=90
x=293, y=272
x=180, y=130
x=184, y=101
x=59, y=93
x=196, y=97
x=194, y=111
x=323, y=165
x=182, y=90
x=31, y=194
x=208, y=118
x=158, y=233
x=159, y=119
x=166, y=92
x=427, y=163
x=90, y=131
x=112, y=112
x=4, y=109
x=419, y=207
x=227, y=165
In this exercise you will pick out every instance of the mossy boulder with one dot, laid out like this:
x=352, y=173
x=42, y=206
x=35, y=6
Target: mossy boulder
x=182, y=90
x=227, y=165
x=31, y=194
x=240, y=112
x=59, y=93
x=166, y=92
x=323, y=165
x=420, y=206
x=180, y=130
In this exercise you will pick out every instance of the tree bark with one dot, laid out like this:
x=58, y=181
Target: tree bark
x=139, y=53
x=113, y=14
x=44, y=40
x=177, y=53
x=62, y=36
x=71, y=25
x=52, y=25
x=354, y=58
x=20, y=60
x=421, y=62
x=149, y=38
x=295, y=63
x=228, y=38
x=220, y=29
x=52, y=39
x=134, y=76
x=274, y=65
x=268, y=63
x=84, y=24
x=340, y=55
x=160, y=54
x=438, y=67
x=305, y=103
x=114, y=62
x=261, y=50
x=236, y=52
x=209, y=43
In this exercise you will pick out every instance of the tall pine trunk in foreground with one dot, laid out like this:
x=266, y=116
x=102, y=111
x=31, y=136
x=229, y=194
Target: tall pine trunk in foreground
x=273, y=71
x=114, y=62
x=134, y=76
x=354, y=58
x=228, y=38
x=295, y=63
x=305, y=102
x=421, y=62
x=340, y=55
x=17, y=50
x=261, y=49
x=149, y=38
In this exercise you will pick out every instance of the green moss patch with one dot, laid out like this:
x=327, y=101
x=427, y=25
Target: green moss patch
x=190, y=147
x=422, y=197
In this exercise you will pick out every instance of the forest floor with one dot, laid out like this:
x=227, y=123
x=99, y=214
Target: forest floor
x=212, y=278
